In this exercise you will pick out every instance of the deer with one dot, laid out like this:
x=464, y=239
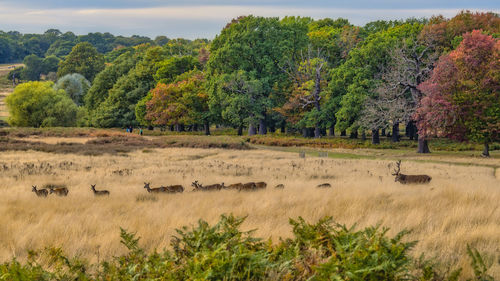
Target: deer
x=40, y=192
x=324, y=185
x=404, y=179
x=175, y=188
x=60, y=191
x=234, y=186
x=99, y=192
x=199, y=186
x=155, y=189
x=248, y=186
x=279, y=186
x=260, y=185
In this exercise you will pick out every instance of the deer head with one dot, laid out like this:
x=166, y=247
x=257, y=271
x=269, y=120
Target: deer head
x=397, y=170
x=92, y=186
x=146, y=185
x=33, y=188
x=195, y=184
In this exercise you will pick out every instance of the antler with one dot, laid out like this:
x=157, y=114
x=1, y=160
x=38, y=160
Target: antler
x=398, y=166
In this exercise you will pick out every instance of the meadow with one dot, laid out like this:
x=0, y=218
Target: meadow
x=458, y=208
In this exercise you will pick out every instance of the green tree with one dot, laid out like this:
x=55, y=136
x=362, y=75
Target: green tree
x=38, y=104
x=75, y=86
x=33, y=68
x=83, y=59
x=170, y=68
x=260, y=47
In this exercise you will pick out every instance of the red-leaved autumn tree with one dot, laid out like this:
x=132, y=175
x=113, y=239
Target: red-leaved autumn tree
x=462, y=98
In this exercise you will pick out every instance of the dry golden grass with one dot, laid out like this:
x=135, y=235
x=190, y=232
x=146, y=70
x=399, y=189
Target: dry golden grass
x=459, y=206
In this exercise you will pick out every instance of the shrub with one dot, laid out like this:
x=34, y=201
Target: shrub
x=37, y=104
x=321, y=251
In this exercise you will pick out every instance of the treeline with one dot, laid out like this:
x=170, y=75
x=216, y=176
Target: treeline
x=15, y=46
x=437, y=76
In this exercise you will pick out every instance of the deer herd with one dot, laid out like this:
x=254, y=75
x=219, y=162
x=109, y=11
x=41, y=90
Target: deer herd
x=249, y=186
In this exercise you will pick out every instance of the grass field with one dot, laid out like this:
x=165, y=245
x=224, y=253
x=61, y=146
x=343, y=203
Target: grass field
x=459, y=207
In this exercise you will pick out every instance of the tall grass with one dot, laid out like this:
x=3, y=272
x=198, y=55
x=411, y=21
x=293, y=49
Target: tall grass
x=459, y=206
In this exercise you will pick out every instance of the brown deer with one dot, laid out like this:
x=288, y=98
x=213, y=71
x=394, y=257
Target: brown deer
x=234, y=186
x=324, y=185
x=99, y=192
x=40, y=192
x=155, y=189
x=199, y=187
x=280, y=186
x=175, y=188
x=404, y=179
x=260, y=185
x=60, y=191
x=248, y=186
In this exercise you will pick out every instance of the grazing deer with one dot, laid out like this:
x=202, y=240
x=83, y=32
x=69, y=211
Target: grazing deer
x=99, y=192
x=234, y=186
x=154, y=190
x=324, y=185
x=260, y=185
x=199, y=186
x=404, y=179
x=280, y=186
x=175, y=188
x=60, y=191
x=40, y=192
x=248, y=186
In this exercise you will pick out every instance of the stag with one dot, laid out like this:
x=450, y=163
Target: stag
x=404, y=179
x=40, y=192
x=324, y=185
x=99, y=192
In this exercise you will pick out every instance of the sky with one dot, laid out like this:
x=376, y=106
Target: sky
x=205, y=18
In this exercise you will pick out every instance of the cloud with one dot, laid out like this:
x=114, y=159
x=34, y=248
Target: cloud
x=181, y=21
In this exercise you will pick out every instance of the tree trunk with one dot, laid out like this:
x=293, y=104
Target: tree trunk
x=375, y=137
x=395, y=132
x=177, y=127
x=304, y=133
x=383, y=132
x=172, y=128
x=354, y=134
x=283, y=127
x=272, y=129
x=262, y=126
x=317, y=133
x=423, y=146
x=363, y=135
x=207, y=128
x=252, y=130
x=486, y=151
x=195, y=127
x=331, y=131
x=411, y=130
x=343, y=133
x=240, y=130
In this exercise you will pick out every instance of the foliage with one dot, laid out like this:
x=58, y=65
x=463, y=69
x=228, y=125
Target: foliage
x=181, y=102
x=75, y=86
x=38, y=104
x=83, y=59
x=321, y=251
x=462, y=96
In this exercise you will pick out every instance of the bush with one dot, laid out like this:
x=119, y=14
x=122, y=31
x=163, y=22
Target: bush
x=321, y=251
x=37, y=104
